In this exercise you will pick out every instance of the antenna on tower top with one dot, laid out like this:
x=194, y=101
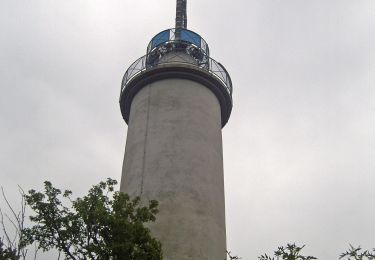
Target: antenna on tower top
x=181, y=17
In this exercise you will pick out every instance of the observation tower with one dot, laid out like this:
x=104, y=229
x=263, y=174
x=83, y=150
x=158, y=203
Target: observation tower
x=175, y=100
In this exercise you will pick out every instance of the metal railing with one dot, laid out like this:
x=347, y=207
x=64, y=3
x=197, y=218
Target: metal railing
x=178, y=56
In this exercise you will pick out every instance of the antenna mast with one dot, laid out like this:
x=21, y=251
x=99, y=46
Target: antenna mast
x=181, y=17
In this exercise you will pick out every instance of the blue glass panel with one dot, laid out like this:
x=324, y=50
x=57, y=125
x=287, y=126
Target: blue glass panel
x=160, y=38
x=192, y=37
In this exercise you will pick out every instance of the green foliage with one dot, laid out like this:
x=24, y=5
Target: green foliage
x=7, y=253
x=104, y=224
x=356, y=253
x=290, y=252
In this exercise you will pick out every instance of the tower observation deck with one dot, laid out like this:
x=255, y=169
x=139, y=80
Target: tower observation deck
x=175, y=100
x=180, y=53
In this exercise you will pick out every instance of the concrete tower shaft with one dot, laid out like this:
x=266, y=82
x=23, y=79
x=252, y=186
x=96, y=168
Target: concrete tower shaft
x=175, y=100
x=174, y=155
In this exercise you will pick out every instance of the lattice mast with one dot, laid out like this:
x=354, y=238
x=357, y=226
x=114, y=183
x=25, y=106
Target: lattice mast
x=181, y=17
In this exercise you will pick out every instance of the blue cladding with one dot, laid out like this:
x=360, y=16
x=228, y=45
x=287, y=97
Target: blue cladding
x=175, y=35
x=191, y=37
x=160, y=38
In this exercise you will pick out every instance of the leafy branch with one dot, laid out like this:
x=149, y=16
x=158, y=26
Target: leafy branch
x=356, y=253
x=290, y=252
x=104, y=224
x=11, y=246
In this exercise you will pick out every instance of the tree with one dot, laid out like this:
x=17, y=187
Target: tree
x=7, y=253
x=104, y=224
x=10, y=244
x=356, y=253
x=290, y=252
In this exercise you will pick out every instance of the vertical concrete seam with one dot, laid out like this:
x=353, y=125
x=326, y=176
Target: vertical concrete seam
x=145, y=139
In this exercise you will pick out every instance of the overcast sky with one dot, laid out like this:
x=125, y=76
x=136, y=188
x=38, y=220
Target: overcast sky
x=299, y=148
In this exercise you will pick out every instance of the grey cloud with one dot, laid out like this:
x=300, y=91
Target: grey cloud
x=298, y=149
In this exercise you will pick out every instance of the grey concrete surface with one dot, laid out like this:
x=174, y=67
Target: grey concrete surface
x=174, y=155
